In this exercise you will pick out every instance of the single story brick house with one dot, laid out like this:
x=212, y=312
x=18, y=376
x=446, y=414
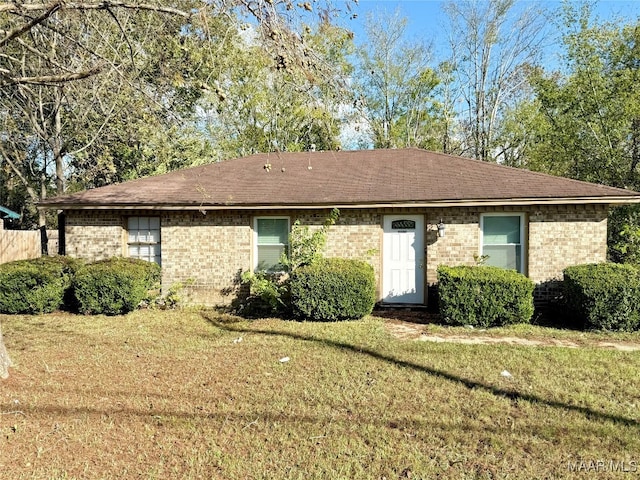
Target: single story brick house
x=405, y=211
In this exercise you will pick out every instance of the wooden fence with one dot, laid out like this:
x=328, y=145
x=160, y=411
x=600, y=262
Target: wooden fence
x=19, y=244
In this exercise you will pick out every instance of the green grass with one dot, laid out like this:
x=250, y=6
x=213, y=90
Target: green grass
x=171, y=395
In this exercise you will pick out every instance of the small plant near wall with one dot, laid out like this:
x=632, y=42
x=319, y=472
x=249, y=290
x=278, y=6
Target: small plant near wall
x=333, y=289
x=35, y=286
x=268, y=293
x=480, y=259
x=175, y=296
x=305, y=246
x=115, y=286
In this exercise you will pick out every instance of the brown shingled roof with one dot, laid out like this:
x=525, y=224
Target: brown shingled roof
x=344, y=178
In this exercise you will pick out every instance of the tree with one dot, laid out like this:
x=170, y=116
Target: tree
x=70, y=77
x=255, y=105
x=519, y=130
x=590, y=128
x=79, y=82
x=587, y=124
x=395, y=86
x=22, y=23
x=63, y=75
x=492, y=43
x=149, y=126
x=448, y=128
x=97, y=92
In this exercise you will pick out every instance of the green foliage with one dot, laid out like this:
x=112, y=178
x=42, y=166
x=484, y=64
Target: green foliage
x=115, y=286
x=587, y=124
x=132, y=116
x=175, y=295
x=492, y=43
x=305, y=247
x=268, y=294
x=604, y=296
x=35, y=286
x=254, y=107
x=396, y=86
x=624, y=234
x=333, y=289
x=484, y=296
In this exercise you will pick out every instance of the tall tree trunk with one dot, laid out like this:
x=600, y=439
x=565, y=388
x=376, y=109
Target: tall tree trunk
x=57, y=145
x=635, y=153
x=5, y=361
x=42, y=219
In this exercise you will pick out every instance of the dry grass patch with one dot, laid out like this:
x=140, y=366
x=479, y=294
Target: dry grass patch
x=202, y=395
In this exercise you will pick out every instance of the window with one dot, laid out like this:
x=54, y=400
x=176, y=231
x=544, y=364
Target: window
x=144, y=238
x=503, y=240
x=403, y=225
x=271, y=241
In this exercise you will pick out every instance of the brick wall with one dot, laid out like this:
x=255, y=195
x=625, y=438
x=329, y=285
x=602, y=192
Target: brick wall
x=357, y=235
x=207, y=251
x=563, y=236
x=460, y=242
x=212, y=250
x=94, y=235
x=557, y=236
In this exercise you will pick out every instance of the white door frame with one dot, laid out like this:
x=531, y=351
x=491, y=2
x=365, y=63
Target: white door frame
x=403, y=259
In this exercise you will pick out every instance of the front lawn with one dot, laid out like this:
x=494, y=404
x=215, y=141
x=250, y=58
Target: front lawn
x=202, y=395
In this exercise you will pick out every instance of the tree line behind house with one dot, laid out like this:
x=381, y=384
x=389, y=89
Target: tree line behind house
x=115, y=93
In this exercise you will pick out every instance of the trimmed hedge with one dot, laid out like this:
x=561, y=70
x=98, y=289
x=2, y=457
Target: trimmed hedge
x=35, y=286
x=333, y=289
x=115, y=286
x=484, y=296
x=604, y=296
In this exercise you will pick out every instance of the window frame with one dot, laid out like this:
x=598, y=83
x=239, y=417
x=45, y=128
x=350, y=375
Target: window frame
x=156, y=259
x=256, y=243
x=523, y=236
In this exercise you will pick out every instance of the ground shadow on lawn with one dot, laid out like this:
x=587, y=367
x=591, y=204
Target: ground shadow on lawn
x=409, y=315
x=554, y=315
x=230, y=324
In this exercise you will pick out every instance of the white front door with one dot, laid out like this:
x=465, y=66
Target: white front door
x=403, y=259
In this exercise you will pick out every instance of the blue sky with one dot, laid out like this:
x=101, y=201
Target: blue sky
x=427, y=20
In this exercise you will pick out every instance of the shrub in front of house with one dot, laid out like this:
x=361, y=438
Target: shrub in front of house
x=333, y=289
x=604, y=296
x=115, y=286
x=35, y=286
x=484, y=296
x=265, y=294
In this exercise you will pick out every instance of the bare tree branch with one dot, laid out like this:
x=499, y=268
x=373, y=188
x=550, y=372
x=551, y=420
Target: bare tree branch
x=30, y=190
x=43, y=56
x=124, y=33
x=16, y=32
x=50, y=79
x=19, y=8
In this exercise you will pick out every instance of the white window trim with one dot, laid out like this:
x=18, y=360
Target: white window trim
x=523, y=235
x=159, y=242
x=255, y=234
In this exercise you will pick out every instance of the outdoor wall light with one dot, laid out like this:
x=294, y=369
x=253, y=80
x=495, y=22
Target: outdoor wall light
x=439, y=227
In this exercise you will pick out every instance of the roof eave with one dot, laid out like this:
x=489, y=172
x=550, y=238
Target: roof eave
x=602, y=200
x=10, y=214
